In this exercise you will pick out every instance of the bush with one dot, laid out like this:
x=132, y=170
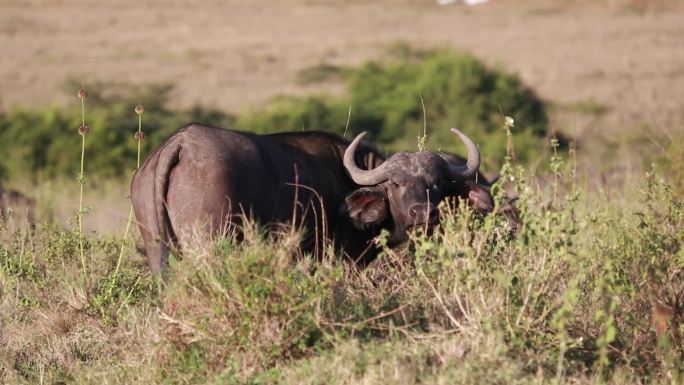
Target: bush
x=457, y=89
x=295, y=114
x=45, y=141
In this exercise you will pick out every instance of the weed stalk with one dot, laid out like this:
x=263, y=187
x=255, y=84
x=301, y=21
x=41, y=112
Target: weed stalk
x=83, y=131
x=422, y=138
x=556, y=164
x=139, y=136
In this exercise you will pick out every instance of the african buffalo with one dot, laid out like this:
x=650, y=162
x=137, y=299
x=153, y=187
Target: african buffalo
x=212, y=177
x=16, y=208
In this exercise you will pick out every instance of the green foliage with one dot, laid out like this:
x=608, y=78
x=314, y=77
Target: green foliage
x=44, y=141
x=248, y=303
x=58, y=321
x=111, y=293
x=17, y=260
x=458, y=91
x=641, y=267
x=296, y=114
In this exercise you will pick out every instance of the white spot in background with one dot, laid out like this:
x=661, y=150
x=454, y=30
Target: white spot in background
x=466, y=2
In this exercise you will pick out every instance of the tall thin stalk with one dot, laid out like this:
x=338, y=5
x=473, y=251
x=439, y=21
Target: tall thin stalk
x=509, y=123
x=139, y=136
x=83, y=131
x=422, y=138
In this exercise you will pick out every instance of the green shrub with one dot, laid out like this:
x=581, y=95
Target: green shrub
x=295, y=114
x=457, y=89
x=43, y=141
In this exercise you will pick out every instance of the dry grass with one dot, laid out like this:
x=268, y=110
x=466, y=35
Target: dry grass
x=468, y=305
x=588, y=291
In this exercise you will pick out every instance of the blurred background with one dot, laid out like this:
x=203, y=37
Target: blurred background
x=606, y=75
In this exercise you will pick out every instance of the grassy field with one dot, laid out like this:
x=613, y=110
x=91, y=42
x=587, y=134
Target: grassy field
x=590, y=289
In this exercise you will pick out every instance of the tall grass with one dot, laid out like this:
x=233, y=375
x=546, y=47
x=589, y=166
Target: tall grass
x=588, y=289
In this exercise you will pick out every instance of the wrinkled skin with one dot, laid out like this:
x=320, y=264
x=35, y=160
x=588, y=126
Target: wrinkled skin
x=211, y=177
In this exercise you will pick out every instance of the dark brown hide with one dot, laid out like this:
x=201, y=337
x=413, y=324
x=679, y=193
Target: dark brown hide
x=17, y=208
x=207, y=176
x=477, y=192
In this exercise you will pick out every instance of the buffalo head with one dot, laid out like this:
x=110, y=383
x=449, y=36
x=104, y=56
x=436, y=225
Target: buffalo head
x=403, y=192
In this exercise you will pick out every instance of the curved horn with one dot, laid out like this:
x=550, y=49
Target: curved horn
x=359, y=176
x=472, y=165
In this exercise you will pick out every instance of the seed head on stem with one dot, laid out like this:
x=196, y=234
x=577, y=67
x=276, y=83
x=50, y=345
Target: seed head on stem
x=509, y=123
x=139, y=136
x=81, y=178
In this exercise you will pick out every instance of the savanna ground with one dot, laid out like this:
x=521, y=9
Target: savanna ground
x=590, y=289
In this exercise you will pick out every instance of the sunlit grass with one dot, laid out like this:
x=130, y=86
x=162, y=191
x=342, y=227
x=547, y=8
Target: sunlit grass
x=589, y=289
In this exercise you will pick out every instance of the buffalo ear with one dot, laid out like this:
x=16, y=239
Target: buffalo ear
x=479, y=196
x=365, y=208
x=476, y=194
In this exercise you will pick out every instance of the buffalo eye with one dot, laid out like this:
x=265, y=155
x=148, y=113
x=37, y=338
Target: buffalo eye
x=433, y=188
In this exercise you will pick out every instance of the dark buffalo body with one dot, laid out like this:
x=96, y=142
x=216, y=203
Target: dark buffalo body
x=16, y=207
x=213, y=177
